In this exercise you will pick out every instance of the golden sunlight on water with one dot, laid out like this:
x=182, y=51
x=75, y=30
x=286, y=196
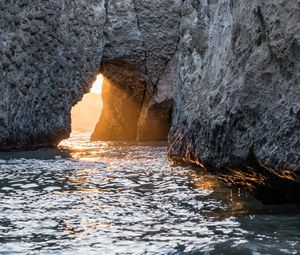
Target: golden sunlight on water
x=126, y=198
x=86, y=113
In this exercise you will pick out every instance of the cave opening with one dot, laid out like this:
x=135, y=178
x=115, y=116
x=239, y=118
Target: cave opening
x=86, y=113
x=119, y=108
x=123, y=94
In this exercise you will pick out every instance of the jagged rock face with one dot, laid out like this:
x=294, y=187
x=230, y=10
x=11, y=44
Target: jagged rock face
x=50, y=51
x=141, y=37
x=238, y=98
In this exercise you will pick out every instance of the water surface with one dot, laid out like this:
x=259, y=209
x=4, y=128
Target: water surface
x=122, y=198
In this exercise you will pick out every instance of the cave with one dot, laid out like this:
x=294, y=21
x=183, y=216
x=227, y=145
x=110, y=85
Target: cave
x=86, y=113
x=122, y=107
x=123, y=95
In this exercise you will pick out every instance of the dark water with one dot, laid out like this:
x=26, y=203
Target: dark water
x=112, y=198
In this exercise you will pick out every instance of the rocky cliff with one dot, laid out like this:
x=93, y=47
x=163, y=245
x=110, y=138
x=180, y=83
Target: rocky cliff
x=50, y=51
x=230, y=68
x=238, y=96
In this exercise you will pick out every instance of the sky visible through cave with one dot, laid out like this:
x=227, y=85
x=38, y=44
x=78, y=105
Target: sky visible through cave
x=86, y=113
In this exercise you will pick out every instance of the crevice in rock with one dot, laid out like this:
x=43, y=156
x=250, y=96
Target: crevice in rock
x=167, y=63
x=125, y=97
x=263, y=27
x=140, y=30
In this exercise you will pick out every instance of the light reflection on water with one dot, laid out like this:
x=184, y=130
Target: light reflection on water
x=116, y=198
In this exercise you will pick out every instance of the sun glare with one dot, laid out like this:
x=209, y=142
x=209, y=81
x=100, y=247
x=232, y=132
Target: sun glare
x=86, y=113
x=97, y=86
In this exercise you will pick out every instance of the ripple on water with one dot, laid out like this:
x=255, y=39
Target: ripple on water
x=111, y=198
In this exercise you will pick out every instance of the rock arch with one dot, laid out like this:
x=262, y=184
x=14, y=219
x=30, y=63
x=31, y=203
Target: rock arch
x=233, y=65
x=51, y=51
x=141, y=40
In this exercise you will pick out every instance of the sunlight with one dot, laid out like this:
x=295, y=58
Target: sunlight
x=97, y=86
x=86, y=113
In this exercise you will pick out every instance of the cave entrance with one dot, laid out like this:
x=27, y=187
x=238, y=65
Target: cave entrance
x=131, y=111
x=86, y=113
x=123, y=96
x=127, y=112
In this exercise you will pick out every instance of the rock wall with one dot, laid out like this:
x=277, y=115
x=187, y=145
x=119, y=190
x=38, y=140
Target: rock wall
x=50, y=51
x=238, y=98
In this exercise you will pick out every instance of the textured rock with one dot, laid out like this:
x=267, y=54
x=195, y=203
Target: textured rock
x=238, y=98
x=155, y=118
x=50, y=51
x=141, y=37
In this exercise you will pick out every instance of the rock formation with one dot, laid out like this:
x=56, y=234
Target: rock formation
x=141, y=38
x=238, y=99
x=50, y=51
x=230, y=68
